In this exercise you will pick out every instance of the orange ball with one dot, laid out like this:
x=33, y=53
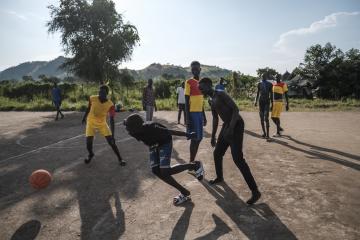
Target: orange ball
x=40, y=179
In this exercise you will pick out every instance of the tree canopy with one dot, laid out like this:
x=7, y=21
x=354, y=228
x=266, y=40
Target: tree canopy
x=95, y=35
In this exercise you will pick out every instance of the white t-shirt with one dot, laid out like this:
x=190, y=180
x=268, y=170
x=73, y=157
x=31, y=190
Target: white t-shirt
x=180, y=92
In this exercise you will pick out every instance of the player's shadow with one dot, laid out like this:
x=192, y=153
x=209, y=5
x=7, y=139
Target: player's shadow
x=221, y=228
x=98, y=187
x=182, y=224
x=315, y=151
x=27, y=231
x=256, y=222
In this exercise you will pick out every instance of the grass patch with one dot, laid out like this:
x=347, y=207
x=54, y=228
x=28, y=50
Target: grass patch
x=169, y=104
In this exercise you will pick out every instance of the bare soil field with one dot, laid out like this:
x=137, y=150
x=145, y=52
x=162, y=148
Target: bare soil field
x=309, y=179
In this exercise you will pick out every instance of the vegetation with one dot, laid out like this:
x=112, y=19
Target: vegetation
x=95, y=34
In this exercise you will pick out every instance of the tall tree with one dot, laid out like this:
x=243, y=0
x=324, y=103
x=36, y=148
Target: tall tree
x=270, y=71
x=95, y=35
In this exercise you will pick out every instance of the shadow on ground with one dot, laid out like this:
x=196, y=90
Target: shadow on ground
x=315, y=151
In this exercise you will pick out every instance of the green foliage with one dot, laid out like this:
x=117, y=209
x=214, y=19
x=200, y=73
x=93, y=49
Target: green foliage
x=336, y=75
x=270, y=71
x=162, y=89
x=95, y=34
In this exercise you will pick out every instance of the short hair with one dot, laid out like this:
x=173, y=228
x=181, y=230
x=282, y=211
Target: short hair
x=104, y=87
x=206, y=80
x=195, y=63
x=133, y=122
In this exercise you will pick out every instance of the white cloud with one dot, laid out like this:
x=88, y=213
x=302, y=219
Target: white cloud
x=329, y=21
x=18, y=15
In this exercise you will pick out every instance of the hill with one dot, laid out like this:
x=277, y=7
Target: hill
x=34, y=69
x=155, y=71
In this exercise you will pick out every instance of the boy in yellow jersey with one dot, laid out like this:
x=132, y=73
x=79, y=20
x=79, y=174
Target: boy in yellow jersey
x=279, y=90
x=194, y=108
x=95, y=119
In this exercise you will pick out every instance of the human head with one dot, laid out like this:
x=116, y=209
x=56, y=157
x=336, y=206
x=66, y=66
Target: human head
x=195, y=69
x=55, y=84
x=183, y=84
x=103, y=92
x=278, y=78
x=150, y=82
x=222, y=81
x=205, y=86
x=133, y=123
x=265, y=76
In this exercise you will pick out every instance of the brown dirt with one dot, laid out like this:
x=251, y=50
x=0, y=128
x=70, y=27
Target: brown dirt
x=309, y=180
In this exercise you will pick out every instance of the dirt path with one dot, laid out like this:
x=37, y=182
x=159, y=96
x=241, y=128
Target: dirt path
x=309, y=179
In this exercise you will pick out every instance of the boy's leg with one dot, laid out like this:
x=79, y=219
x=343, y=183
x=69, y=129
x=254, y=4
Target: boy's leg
x=111, y=142
x=238, y=158
x=57, y=111
x=179, y=113
x=89, y=147
x=197, y=127
x=164, y=175
x=219, y=152
x=266, y=115
x=262, y=119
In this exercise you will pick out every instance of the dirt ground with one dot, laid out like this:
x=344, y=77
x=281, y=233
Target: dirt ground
x=309, y=179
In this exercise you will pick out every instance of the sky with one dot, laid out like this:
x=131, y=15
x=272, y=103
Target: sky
x=234, y=34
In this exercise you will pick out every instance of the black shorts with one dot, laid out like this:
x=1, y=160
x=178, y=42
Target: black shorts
x=181, y=106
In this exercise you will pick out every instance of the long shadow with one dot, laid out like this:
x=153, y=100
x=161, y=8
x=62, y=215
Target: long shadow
x=27, y=231
x=182, y=224
x=314, y=154
x=257, y=222
x=329, y=150
x=97, y=187
x=221, y=228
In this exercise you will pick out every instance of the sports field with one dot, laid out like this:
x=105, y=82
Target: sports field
x=309, y=179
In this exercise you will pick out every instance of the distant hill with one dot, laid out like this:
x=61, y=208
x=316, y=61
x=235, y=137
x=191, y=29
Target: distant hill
x=155, y=71
x=34, y=69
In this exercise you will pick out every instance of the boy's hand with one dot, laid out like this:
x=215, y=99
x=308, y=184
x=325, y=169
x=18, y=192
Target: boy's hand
x=205, y=122
x=191, y=135
x=255, y=104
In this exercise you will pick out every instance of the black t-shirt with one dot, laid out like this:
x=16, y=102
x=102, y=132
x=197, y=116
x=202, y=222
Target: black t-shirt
x=265, y=88
x=153, y=134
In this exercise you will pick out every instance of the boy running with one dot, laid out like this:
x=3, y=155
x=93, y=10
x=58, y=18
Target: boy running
x=279, y=90
x=159, y=140
x=95, y=119
x=231, y=134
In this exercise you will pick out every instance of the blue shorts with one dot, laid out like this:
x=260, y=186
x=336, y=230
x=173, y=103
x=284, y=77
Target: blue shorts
x=197, y=124
x=57, y=103
x=161, y=156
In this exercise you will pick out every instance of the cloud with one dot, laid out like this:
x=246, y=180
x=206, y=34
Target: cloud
x=329, y=21
x=20, y=16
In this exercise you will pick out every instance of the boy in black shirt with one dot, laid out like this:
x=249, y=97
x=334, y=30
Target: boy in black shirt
x=159, y=140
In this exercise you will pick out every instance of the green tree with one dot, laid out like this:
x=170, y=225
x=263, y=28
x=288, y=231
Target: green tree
x=126, y=80
x=272, y=72
x=95, y=35
x=27, y=78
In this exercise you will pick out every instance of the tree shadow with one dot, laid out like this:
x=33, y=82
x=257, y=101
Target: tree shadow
x=27, y=231
x=221, y=228
x=182, y=224
x=256, y=222
x=314, y=151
